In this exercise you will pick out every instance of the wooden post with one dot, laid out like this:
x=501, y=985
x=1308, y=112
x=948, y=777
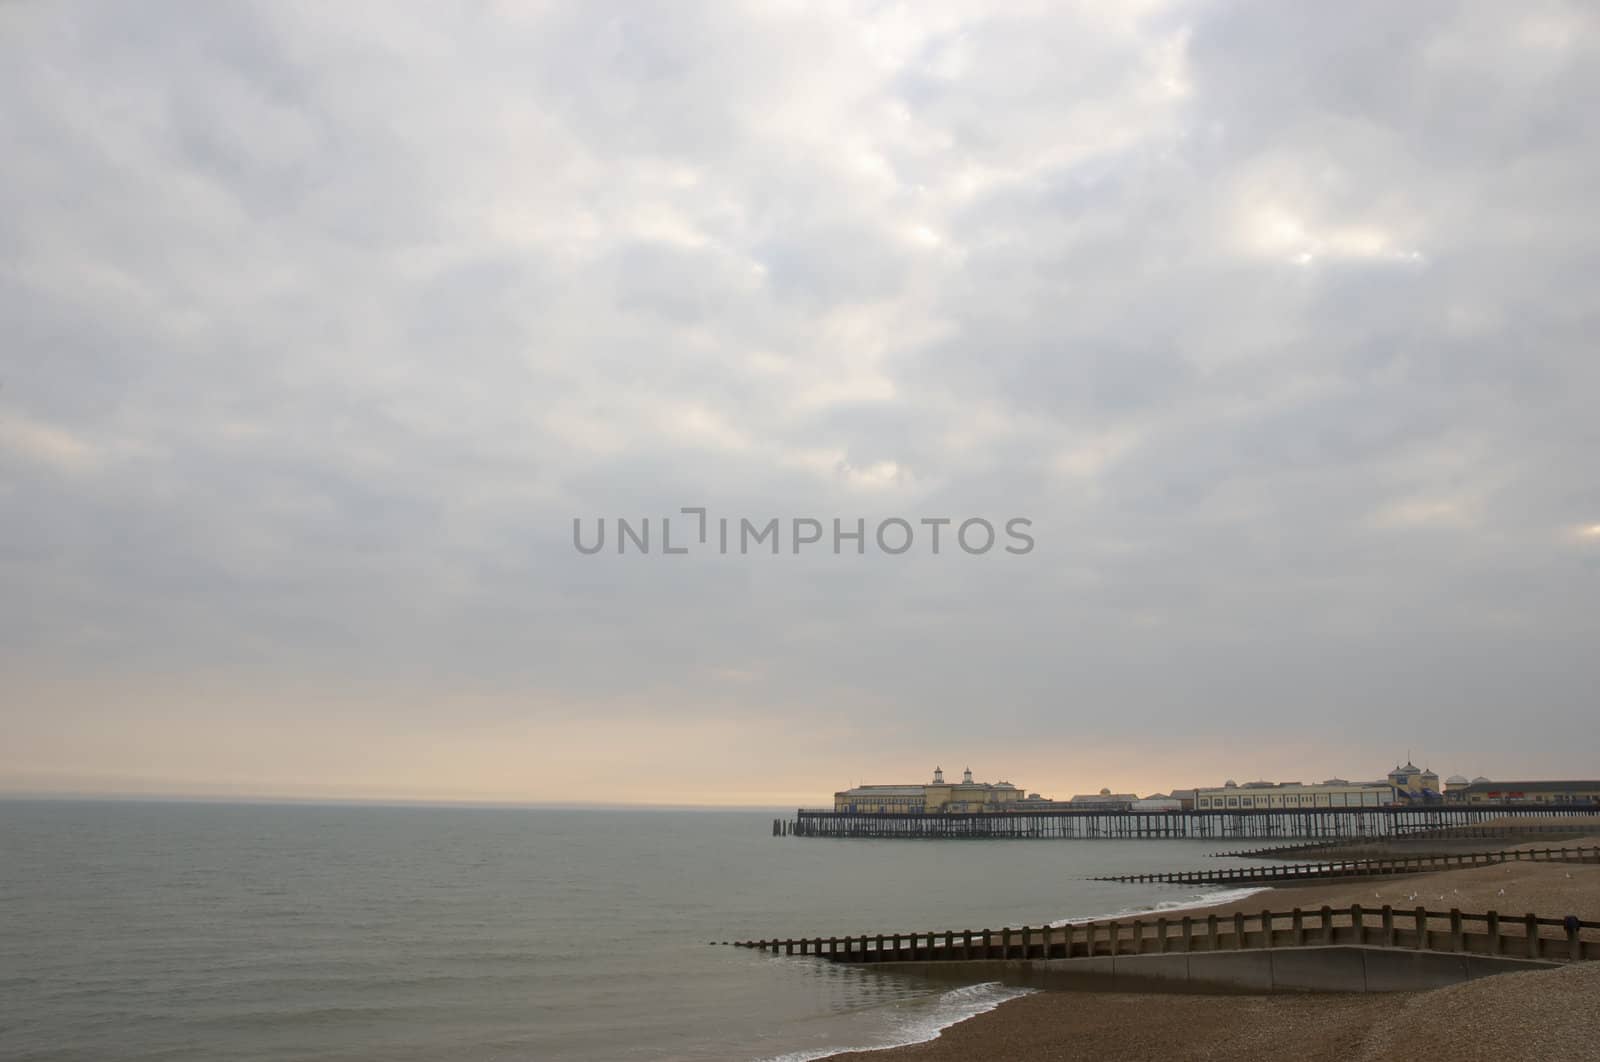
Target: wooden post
x=1211, y=932
x=1188, y=934
x=788, y=947
x=1574, y=945
x=1327, y=924
x=1266, y=929
x=1161, y=936
x=1493, y=919
x=1388, y=926
x=1531, y=921
x=1138, y=935
x=966, y=943
x=911, y=955
x=1005, y=942
x=1298, y=926
x=1458, y=937
x=1238, y=931
x=1421, y=916
x=950, y=944
x=988, y=945
x=1027, y=940
x=1358, y=920
x=1113, y=931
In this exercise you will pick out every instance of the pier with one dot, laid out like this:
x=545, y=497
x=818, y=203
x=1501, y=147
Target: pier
x=1069, y=824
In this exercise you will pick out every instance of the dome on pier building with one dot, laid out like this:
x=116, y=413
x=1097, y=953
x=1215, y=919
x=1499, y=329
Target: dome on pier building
x=966, y=776
x=1479, y=779
x=1456, y=779
x=938, y=776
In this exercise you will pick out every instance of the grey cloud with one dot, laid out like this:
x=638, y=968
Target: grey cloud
x=323, y=329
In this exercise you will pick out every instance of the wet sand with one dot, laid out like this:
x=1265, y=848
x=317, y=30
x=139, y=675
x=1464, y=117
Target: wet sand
x=1542, y=1014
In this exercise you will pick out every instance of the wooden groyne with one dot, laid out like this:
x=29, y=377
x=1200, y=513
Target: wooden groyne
x=1065, y=823
x=1525, y=936
x=1413, y=840
x=1358, y=868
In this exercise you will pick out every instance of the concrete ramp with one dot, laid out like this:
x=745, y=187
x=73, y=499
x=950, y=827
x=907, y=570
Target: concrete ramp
x=1339, y=968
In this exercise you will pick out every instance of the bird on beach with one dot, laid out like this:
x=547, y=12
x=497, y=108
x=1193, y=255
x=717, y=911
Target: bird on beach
x=1502, y=892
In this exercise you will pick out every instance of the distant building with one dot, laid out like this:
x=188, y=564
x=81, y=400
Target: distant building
x=1257, y=795
x=1157, y=802
x=1414, y=785
x=1105, y=800
x=1455, y=787
x=1483, y=791
x=936, y=797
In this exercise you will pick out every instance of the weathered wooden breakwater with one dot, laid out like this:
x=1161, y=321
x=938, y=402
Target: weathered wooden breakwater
x=1414, y=840
x=1357, y=868
x=1490, y=933
x=1070, y=824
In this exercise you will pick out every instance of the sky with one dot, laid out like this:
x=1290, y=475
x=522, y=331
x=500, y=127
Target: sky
x=324, y=323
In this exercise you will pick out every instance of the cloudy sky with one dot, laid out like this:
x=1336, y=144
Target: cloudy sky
x=322, y=324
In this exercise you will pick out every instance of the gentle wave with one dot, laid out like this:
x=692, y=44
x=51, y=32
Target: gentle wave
x=959, y=1004
x=956, y=1005
x=1208, y=899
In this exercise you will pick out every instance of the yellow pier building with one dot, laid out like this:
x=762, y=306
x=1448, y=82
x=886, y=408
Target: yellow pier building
x=936, y=797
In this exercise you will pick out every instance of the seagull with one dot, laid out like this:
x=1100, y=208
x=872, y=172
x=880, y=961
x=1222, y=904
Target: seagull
x=1502, y=892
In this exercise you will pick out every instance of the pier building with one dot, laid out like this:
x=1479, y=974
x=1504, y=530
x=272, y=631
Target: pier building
x=935, y=797
x=1414, y=784
x=1483, y=791
x=1335, y=793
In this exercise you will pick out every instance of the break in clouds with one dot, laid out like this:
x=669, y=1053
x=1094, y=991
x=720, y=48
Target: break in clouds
x=322, y=321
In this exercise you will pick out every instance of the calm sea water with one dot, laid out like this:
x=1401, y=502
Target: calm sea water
x=258, y=932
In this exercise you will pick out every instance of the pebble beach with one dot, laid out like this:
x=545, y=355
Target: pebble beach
x=1552, y=1014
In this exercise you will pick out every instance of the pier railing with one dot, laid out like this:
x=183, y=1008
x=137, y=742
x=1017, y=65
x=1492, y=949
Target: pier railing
x=1567, y=939
x=1359, y=868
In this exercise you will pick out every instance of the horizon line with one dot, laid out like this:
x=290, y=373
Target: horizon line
x=260, y=799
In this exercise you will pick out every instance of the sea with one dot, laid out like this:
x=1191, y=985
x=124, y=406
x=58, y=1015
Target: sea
x=269, y=932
